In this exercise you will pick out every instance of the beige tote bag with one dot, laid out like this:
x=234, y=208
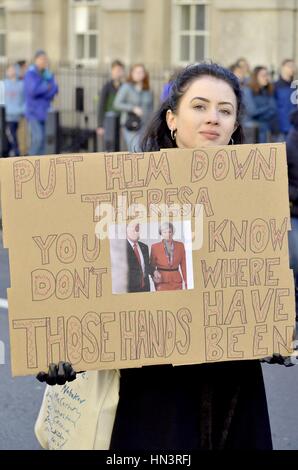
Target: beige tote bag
x=80, y=414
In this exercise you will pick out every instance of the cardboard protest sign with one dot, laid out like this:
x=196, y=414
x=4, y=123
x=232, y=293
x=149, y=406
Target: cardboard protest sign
x=81, y=292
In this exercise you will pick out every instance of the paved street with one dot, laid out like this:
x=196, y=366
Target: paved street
x=20, y=397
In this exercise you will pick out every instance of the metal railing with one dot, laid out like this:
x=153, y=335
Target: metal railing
x=90, y=81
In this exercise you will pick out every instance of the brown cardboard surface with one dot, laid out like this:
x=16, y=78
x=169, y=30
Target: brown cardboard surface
x=61, y=301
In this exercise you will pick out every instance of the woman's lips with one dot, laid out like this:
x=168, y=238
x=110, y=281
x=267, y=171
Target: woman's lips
x=210, y=135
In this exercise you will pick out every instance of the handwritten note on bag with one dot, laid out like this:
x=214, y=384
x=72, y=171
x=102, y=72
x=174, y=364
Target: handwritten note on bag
x=66, y=415
x=226, y=293
x=79, y=414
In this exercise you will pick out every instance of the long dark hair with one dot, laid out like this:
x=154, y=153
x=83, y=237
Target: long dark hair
x=145, y=83
x=254, y=83
x=157, y=135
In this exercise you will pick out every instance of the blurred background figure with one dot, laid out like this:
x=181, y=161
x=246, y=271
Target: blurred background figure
x=135, y=102
x=40, y=90
x=259, y=104
x=243, y=70
x=21, y=67
x=282, y=94
x=292, y=157
x=14, y=108
x=238, y=71
x=106, y=103
x=168, y=85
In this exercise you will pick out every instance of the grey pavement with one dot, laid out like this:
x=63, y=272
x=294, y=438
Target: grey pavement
x=20, y=397
x=282, y=395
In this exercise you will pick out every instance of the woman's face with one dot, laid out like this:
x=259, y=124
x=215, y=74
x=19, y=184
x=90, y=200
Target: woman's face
x=206, y=114
x=11, y=72
x=167, y=234
x=138, y=74
x=263, y=77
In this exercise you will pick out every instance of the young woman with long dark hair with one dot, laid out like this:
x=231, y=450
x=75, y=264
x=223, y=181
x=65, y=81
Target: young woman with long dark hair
x=204, y=406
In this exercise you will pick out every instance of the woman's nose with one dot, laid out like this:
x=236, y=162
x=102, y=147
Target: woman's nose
x=212, y=116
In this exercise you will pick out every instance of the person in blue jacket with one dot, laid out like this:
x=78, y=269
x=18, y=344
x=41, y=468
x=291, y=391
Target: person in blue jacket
x=259, y=104
x=40, y=89
x=14, y=108
x=283, y=93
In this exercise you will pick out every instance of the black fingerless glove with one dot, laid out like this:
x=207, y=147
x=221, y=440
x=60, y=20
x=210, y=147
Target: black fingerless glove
x=58, y=374
x=279, y=359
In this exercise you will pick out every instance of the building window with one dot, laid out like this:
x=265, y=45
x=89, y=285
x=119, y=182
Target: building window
x=2, y=32
x=190, y=26
x=85, y=30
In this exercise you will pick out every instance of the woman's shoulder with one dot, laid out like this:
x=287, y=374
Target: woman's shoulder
x=126, y=86
x=178, y=243
x=156, y=245
x=247, y=91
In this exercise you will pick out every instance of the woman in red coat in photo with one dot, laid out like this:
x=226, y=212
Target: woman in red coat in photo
x=166, y=258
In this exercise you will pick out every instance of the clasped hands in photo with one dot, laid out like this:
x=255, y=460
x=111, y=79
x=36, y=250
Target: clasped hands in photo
x=156, y=277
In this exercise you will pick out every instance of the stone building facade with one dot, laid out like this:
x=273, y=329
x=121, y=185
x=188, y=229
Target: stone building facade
x=160, y=33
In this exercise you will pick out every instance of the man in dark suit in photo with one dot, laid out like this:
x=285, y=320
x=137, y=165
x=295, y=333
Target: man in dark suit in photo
x=137, y=260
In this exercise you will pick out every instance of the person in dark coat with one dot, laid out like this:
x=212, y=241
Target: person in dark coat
x=137, y=261
x=292, y=158
x=106, y=102
x=283, y=94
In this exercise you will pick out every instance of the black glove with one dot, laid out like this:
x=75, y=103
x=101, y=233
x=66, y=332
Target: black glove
x=57, y=374
x=279, y=359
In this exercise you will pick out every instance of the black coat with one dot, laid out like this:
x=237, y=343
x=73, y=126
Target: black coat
x=195, y=407
x=292, y=158
x=135, y=270
x=106, y=100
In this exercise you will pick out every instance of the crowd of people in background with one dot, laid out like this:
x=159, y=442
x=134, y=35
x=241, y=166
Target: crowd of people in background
x=29, y=91
x=131, y=99
x=267, y=103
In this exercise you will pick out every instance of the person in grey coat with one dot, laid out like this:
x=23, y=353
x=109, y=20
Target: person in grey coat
x=135, y=102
